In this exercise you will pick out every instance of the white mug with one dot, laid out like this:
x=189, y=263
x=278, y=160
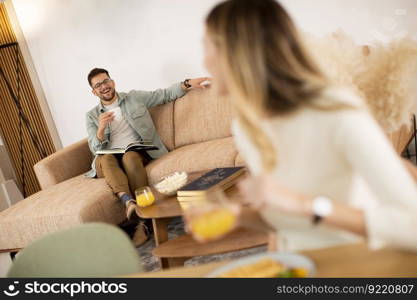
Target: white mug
x=117, y=113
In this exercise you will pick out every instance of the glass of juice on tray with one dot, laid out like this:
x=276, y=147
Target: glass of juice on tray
x=144, y=196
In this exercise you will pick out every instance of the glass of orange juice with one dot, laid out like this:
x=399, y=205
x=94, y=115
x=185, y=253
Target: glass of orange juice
x=211, y=218
x=144, y=196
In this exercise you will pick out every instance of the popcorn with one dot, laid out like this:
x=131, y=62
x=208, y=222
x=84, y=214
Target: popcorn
x=170, y=184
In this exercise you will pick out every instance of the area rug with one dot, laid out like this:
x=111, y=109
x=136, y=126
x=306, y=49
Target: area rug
x=175, y=229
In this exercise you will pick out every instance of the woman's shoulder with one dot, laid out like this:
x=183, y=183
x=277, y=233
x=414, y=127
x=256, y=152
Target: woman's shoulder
x=338, y=94
x=338, y=109
x=336, y=104
x=332, y=104
x=335, y=107
x=355, y=120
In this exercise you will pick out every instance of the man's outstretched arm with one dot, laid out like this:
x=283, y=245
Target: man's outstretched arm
x=162, y=96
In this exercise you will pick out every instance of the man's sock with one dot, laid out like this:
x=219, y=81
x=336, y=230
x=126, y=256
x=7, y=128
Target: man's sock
x=126, y=198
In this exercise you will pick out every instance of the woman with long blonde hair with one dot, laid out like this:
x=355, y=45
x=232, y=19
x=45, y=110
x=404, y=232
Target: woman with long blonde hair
x=295, y=126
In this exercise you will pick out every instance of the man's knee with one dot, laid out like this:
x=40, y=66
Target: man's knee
x=108, y=160
x=131, y=158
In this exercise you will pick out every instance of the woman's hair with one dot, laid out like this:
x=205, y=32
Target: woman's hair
x=267, y=70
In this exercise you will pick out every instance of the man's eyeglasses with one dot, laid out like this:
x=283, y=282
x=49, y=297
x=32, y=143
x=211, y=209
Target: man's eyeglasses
x=100, y=84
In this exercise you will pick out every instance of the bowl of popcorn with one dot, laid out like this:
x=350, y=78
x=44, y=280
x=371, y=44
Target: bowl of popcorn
x=172, y=183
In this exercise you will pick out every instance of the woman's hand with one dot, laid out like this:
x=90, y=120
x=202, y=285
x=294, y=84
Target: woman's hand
x=264, y=192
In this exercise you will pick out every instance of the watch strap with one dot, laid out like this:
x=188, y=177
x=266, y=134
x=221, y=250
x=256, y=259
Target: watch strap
x=317, y=219
x=322, y=207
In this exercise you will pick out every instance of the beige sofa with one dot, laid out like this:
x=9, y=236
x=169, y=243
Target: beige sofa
x=196, y=130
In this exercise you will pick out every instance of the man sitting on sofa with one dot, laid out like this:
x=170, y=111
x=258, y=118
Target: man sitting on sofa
x=124, y=173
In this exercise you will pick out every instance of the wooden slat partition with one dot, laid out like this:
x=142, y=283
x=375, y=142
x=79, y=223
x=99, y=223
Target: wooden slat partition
x=9, y=114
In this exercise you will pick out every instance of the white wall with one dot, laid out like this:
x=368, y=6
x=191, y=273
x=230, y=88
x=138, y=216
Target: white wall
x=365, y=20
x=150, y=44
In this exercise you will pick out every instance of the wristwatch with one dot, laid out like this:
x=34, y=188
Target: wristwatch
x=186, y=83
x=322, y=206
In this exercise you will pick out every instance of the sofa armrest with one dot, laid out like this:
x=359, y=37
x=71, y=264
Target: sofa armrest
x=64, y=164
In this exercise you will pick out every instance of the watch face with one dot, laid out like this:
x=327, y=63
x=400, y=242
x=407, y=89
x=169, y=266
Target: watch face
x=322, y=206
x=186, y=83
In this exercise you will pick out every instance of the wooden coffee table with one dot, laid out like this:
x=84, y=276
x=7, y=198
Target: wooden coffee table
x=164, y=209
x=174, y=252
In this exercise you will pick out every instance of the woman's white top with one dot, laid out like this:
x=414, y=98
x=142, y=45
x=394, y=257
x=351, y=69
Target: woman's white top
x=342, y=154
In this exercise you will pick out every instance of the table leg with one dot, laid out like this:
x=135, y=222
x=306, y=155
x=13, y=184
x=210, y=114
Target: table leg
x=177, y=261
x=160, y=231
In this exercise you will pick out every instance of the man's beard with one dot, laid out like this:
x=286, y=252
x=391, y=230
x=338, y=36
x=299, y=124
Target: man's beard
x=104, y=98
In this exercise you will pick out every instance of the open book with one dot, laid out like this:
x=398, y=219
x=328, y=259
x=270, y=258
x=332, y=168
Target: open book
x=135, y=146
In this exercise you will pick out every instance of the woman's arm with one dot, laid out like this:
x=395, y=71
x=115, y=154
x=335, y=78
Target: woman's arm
x=263, y=192
x=364, y=146
x=394, y=224
x=343, y=217
x=361, y=142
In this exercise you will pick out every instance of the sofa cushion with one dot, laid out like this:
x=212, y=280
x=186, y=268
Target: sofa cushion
x=201, y=116
x=74, y=201
x=163, y=119
x=196, y=157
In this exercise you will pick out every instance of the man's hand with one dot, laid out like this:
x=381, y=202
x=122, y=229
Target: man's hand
x=200, y=83
x=103, y=120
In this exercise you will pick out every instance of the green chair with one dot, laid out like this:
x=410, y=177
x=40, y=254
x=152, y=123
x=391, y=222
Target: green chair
x=88, y=250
